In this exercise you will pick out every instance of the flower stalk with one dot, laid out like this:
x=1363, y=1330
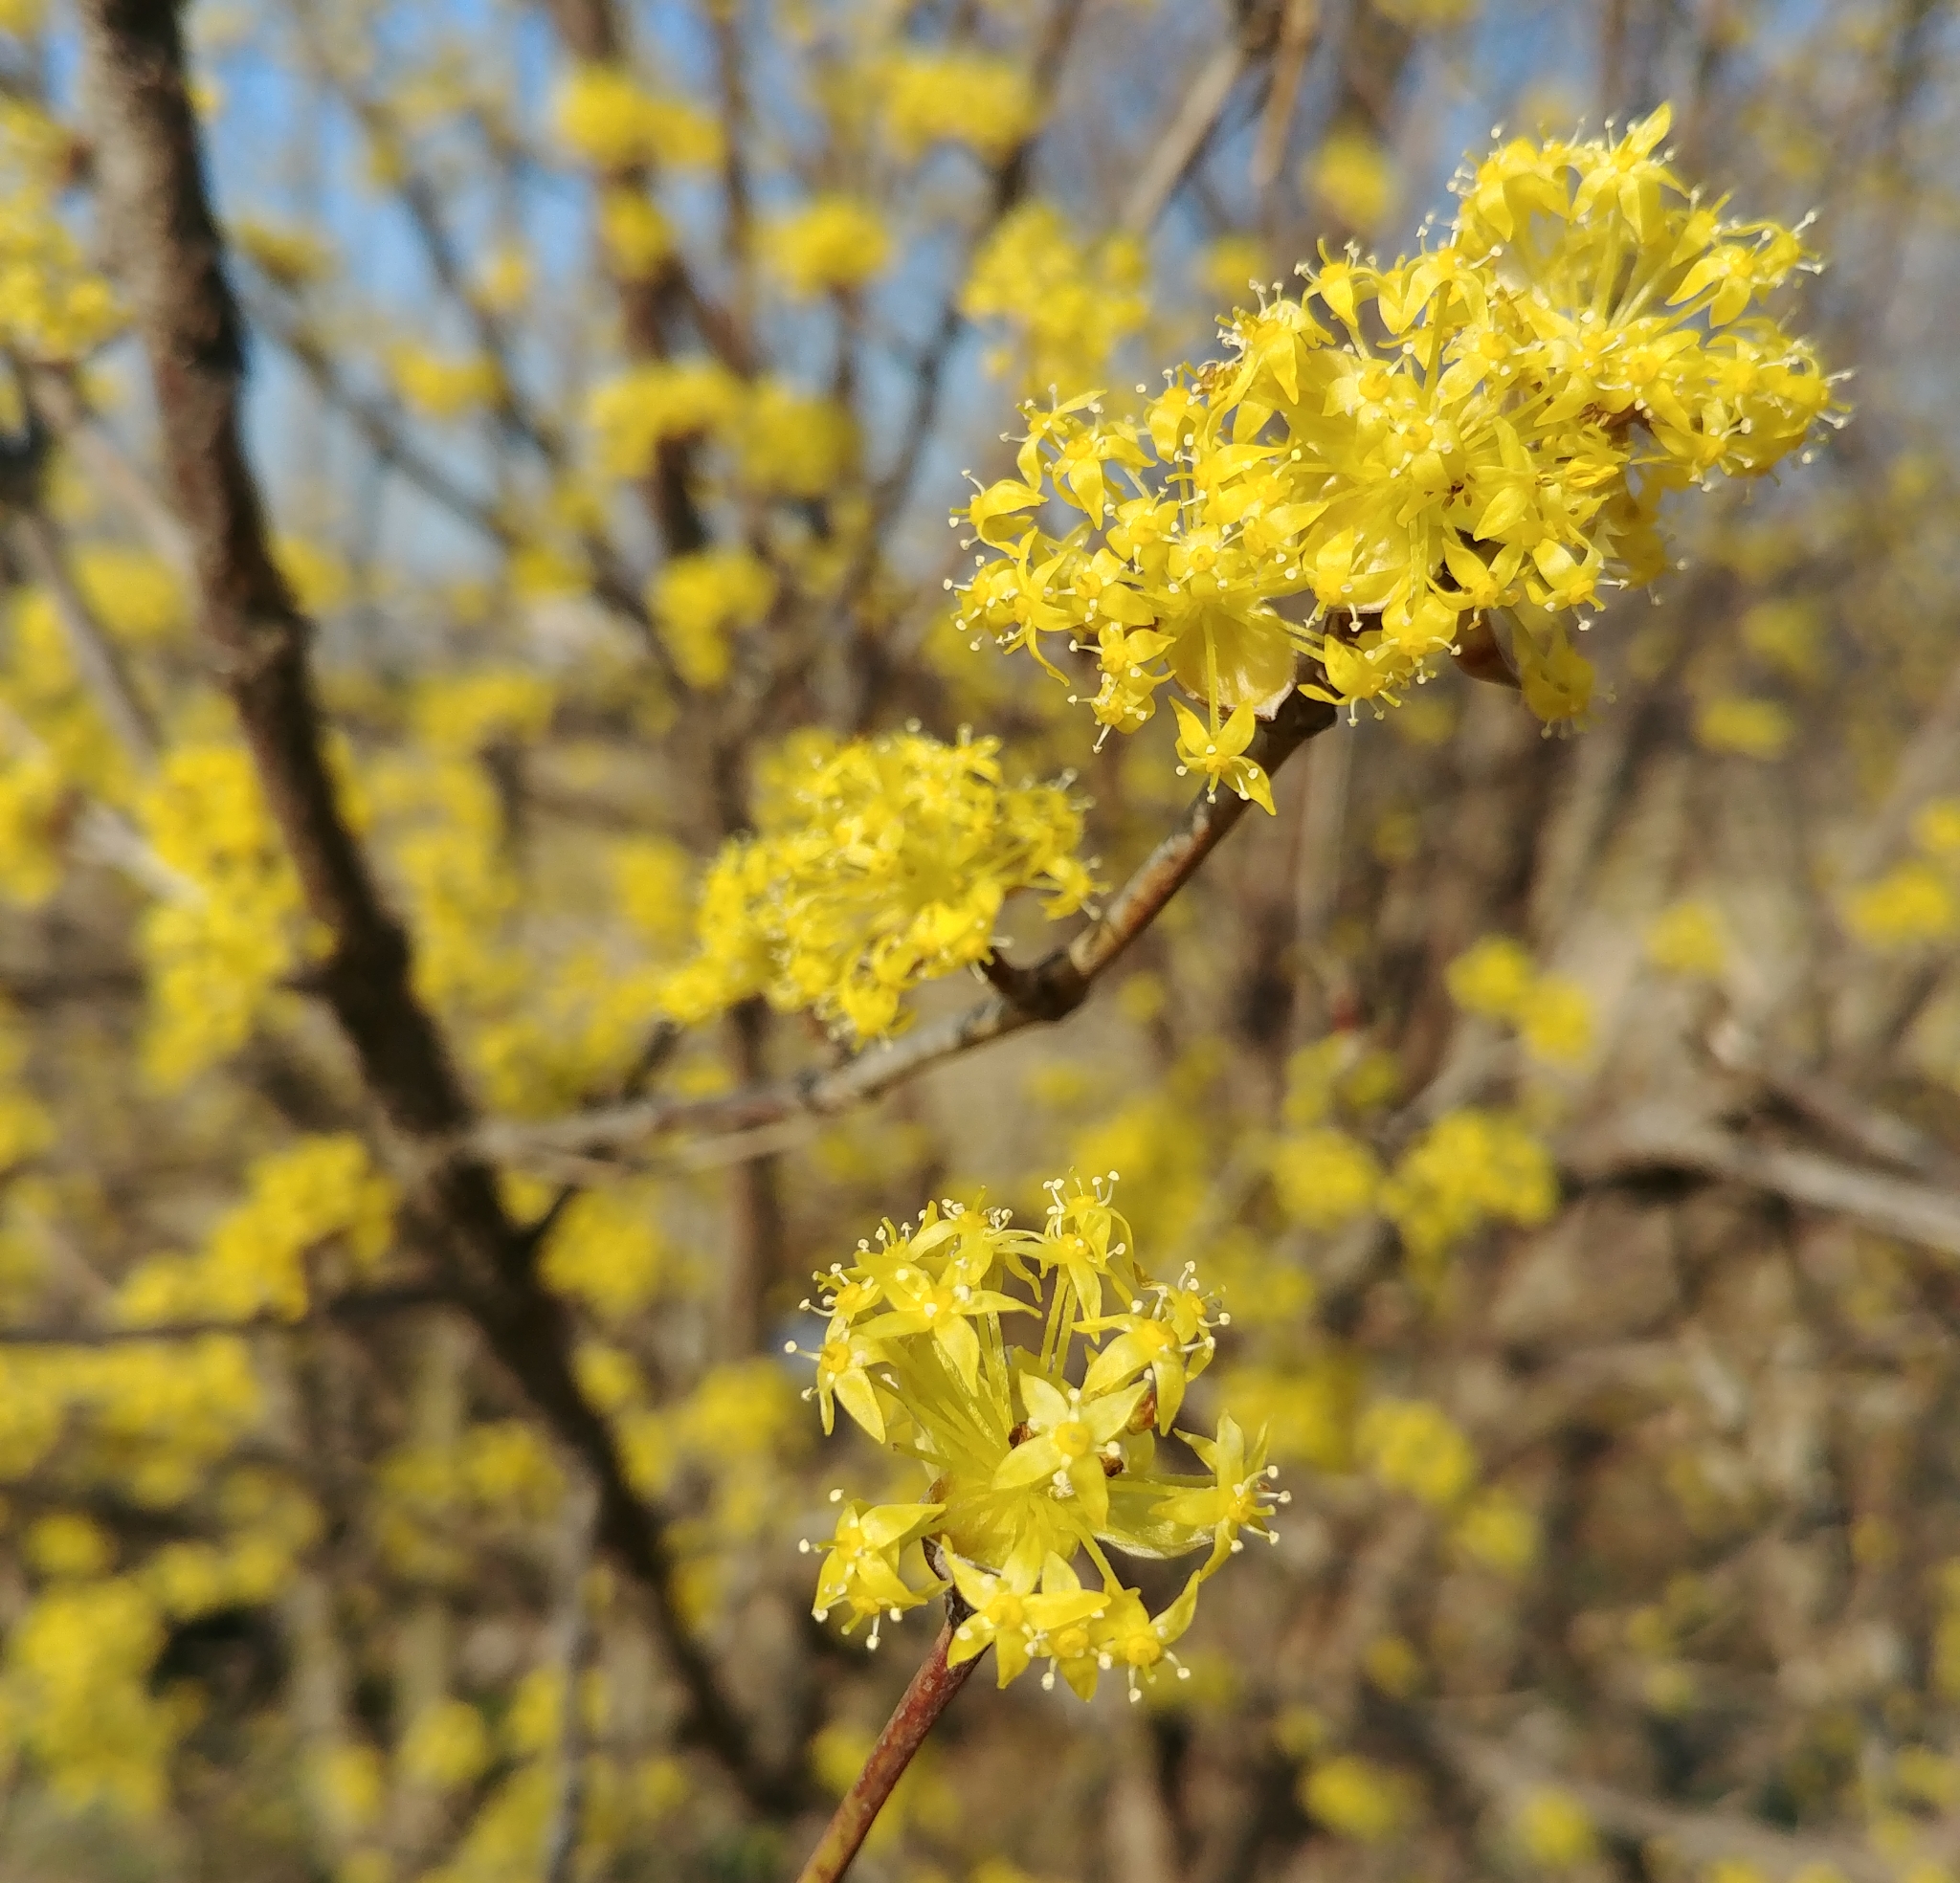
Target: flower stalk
x=928, y=1697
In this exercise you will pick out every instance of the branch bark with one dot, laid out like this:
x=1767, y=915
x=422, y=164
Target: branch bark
x=1040, y=995
x=170, y=258
x=1669, y=1140
x=929, y=1695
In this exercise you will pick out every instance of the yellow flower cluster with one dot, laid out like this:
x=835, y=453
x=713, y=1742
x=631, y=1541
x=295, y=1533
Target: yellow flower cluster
x=1915, y=903
x=877, y=864
x=75, y=1696
x=1028, y=1471
x=1470, y=1167
x=317, y=1191
x=1324, y=1177
x=606, y=1253
x=1688, y=939
x=53, y=305
x=954, y=98
x=441, y=387
x=1068, y=310
x=1475, y=439
x=33, y=795
x=607, y=118
x=1496, y=978
x=636, y=235
x=154, y=1413
x=700, y=600
x=782, y=442
x=1358, y=1798
x=632, y=414
x=218, y=953
x=837, y=242
x=1414, y=1445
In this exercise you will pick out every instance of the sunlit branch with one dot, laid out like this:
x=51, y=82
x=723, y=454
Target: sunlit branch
x=362, y=1305
x=928, y=1696
x=154, y=200
x=1047, y=991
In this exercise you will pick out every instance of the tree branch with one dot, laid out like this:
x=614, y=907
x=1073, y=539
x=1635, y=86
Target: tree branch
x=1666, y=1139
x=1048, y=991
x=162, y=231
x=929, y=1695
x=365, y=1304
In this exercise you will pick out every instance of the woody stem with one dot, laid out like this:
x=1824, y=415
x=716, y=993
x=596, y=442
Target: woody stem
x=930, y=1692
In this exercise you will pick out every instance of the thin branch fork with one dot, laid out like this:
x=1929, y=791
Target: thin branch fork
x=1038, y=995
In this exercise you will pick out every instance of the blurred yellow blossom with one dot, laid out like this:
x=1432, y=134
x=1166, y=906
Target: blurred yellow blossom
x=1688, y=939
x=632, y=415
x=637, y=234
x=1750, y=728
x=1411, y=1445
x=1068, y=307
x=1497, y=1531
x=932, y=98
x=1469, y=1168
x=605, y=116
x=1494, y=978
x=1325, y=1178
x=702, y=599
x=1354, y=177
x=1554, y=1830
x=835, y=242
x=441, y=387
x=1911, y=906
x=1356, y=1798
x=881, y=863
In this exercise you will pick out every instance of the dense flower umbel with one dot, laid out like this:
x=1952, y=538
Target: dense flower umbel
x=1037, y=1455
x=878, y=863
x=1467, y=445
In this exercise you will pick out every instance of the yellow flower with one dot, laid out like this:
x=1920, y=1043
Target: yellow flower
x=1356, y=1798
x=930, y=97
x=1028, y=1470
x=635, y=232
x=1557, y=1023
x=1751, y=729
x=1411, y=1445
x=877, y=864
x=1469, y=1168
x=1218, y=754
x=1557, y=363
x=1014, y=1617
x=606, y=118
x=861, y=1571
x=1912, y=905
x=442, y=388
x=1688, y=939
x=837, y=242
x=1325, y=1178
x=700, y=600
x=1555, y=1830
x=1355, y=176
x=1237, y=1497
x=1495, y=977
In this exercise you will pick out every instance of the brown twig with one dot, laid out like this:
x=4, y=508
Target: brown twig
x=929, y=1695
x=360, y=1306
x=1048, y=991
x=97, y=657
x=1663, y=1138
